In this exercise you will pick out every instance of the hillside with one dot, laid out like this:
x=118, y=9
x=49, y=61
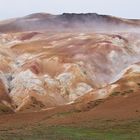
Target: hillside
x=68, y=69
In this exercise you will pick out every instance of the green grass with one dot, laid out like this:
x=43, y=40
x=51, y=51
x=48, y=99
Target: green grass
x=96, y=130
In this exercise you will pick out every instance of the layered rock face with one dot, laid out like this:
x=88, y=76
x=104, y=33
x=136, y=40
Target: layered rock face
x=40, y=69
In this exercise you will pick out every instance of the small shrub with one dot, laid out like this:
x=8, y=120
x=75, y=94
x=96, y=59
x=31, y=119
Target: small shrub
x=138, y=84
x=127, y=92
x=116, y=93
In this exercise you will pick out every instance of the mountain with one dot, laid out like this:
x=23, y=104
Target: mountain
x=61, y=68
x=69, y=69
x=68, y=22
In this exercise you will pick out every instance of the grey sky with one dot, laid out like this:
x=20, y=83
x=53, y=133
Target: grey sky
x=121, y=8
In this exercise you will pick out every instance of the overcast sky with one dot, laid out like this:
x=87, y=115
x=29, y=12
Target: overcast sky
x=121, y=8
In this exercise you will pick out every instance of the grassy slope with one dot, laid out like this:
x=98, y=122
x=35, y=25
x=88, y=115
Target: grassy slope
x=96, y=130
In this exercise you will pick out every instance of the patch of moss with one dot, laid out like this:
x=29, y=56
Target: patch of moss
x=109, y=131
x=5, y=109
x=123, y=93
x=138, y=84
x=116, y=93
x=127, y=92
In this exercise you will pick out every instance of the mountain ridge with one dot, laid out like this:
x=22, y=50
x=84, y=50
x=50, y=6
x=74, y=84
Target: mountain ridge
x=67, y=22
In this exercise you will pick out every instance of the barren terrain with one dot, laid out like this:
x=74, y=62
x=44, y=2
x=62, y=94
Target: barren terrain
x=69, y=73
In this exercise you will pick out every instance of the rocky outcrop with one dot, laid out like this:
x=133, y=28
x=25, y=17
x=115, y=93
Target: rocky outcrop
x=6, y=104
x=23, y=83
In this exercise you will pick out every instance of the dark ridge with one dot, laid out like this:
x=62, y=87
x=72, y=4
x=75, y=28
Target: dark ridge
x=70, y=15
x=78, y=17
x=92, y=17
x=67, y=22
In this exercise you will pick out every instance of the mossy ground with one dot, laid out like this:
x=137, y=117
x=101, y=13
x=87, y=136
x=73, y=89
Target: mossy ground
x=96, y=130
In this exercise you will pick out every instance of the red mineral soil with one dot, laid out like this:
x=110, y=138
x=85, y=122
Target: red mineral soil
x=83, y=65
